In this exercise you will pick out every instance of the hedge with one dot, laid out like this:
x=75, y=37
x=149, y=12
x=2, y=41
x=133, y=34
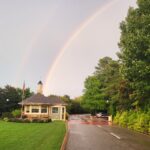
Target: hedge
x=135, y=120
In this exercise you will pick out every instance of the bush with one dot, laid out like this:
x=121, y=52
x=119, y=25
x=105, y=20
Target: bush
x=41, y=120
x=135, y=120
x=35, y=120
x=123, y=120
x=132, y=119
x=6, y=115
x=149, y=128
x=16, y=113
x=116, y=118
x=19, y=120
x=24, y=116
x=49, y=120
x=26, y=121
x=142, y=123
x=6, y=119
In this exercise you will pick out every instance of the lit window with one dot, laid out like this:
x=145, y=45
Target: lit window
x=35, y=109
x=55, y=110
x=44, y=109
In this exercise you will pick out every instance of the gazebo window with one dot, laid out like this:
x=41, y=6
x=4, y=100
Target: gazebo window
x=55, y=110
x=35, y=109
x=43, y=109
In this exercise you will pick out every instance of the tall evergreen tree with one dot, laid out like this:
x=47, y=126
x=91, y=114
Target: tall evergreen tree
x=135, y=52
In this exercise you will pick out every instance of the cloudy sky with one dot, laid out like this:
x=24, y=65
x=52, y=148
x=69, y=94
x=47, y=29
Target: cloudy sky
x=57, y=41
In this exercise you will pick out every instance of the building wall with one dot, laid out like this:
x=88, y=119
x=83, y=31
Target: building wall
x=57, y=112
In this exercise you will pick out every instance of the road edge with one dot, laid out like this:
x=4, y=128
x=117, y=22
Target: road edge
x=65, y=140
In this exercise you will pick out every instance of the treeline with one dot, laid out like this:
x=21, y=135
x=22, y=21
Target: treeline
x=10, y=97
x=122, y=86
x=74, y=106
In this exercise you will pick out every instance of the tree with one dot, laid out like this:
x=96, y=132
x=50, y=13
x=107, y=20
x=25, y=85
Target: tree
x=76, y=106
x=135, y=52
x=27, y=92
x=10, y=97
x=101, y=87
x=93, y=98
x=67, y=99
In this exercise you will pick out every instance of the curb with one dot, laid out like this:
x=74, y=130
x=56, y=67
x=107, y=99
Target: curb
x=63, y=146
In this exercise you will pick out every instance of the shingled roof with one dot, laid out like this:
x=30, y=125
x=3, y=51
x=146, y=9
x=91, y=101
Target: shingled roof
x=41, y=99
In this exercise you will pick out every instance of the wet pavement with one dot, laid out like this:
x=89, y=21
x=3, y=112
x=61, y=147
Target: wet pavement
x=87, y=133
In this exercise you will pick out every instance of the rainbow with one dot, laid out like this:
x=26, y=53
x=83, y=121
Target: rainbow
x=73, y=36
x=29, y=48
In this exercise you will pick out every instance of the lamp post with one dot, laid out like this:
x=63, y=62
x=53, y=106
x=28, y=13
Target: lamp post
x=7, y=106
x=7, y=100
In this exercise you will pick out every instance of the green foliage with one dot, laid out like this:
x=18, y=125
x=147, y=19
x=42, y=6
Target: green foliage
x=125, y=84
x=142, y=123
x=10, y=97
x=41, y=121
x=67, y=99
x=132, y=119
x=135, y=120
x=6, y=115
x=134, y=94
x=6, y=119
x=135, y=52
x=27, y=93
x=16, y=113
x=123, y=120
x=101, y=89
x=116, y=118
x=74, y=106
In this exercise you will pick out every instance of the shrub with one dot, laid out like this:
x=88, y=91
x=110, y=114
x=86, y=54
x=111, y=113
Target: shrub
x=149, y=128
x=41, y=120
x=142, y=123
x=138, y=121
x=16, y=113
x=14, y=120
x=123, y=120
x=24, y=116
x=35, y=120
x=116, y=118
x=132, y=118
x=6, y=119
x=26, y=121
x=49, y=120
x=18, y=120
x=6, y=115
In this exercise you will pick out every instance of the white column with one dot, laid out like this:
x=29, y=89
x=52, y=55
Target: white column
x=60, y=113
x=64, y=112
x=30, y=109
x=40, y=107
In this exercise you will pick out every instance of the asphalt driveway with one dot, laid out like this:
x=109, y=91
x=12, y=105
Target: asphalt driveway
x=100, y=135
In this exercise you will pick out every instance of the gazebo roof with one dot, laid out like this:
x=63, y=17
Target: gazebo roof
x=40, y=99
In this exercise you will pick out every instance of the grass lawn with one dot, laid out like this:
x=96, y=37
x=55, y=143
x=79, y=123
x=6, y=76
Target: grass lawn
x=31, y=136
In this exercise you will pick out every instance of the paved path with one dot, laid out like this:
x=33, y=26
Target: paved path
x=99, y=135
